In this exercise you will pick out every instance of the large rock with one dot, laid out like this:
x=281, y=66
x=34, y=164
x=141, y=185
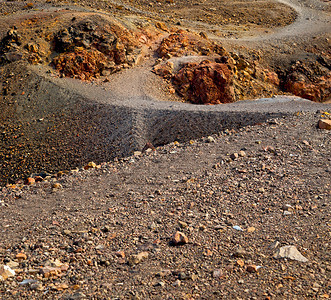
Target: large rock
x=324, y=124
x=308, y=82
x=290, y=252
x=205, y=83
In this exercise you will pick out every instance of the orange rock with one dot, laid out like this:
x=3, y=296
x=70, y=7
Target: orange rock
x=240, y=262
x=49, y=272
x=90, y=165
x=179, y=238
x=324, y=124
x=302, y=81
x=250, y=229
x=30, y=181
x=21, y=256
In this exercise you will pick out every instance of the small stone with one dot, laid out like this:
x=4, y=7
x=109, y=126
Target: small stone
x=36, y=286
x=136, y=259
x=210, y=139
x=240, y=252
x=251, y=269
x=218, y=273
x=120, y=254
x=67, y=232
x=182, y=224
x=178, y=239
x=177, y=282
x=30, y=181
x=250, y=229
x=287, y=213
x=236, y=227
x=305, y=142
x=261, y=190
x=6, y=272
x=274, y=245
x=324, y=124
x=90, y=165
x=56, y=185
x=147, y=147
x=182, y=276
x=21, y=256
x=62, y=286
x=161, y=284
x=290, y=252
x=240, y=262
x=100, y=247
x=242, y=153
x=12, y=264
x=234, y=156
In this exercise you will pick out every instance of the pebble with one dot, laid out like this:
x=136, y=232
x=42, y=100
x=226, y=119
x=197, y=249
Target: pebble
x=182, y=224
x=30, y=181
x=6, y=272
x=217, y=273
x=274, y=245
x=236, y=227
x=250, y=229
x=234, y=156
x=290, y=252
x=36, y=286
x=251, y=269
x=90, y=165
x=56, y=185
x=138, y=258
x=240, y=262
x=178, y=239
x=240, y=252
x=21, y=256
x=210, y=139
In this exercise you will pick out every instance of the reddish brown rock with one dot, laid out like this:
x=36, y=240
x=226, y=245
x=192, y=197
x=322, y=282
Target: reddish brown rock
x=302, y=81
x=164, y=70
x=30, y=181
x=21, y=256
x=178, y=239
x=324, y=124
x=252, y=269
x=205, y=83
x=183, y=43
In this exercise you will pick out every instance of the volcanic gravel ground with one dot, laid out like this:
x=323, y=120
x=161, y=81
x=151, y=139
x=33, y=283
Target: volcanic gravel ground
x=87, y=225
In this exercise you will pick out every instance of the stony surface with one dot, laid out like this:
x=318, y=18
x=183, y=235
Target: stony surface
x=65, y=243
x=234, y=198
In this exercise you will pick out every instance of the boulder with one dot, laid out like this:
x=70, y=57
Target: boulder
x=205, y=83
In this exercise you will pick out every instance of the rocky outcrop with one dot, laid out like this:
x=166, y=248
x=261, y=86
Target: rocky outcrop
x=183, y=43
x=89, y=50
x=205, y=83
x=310, y=82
